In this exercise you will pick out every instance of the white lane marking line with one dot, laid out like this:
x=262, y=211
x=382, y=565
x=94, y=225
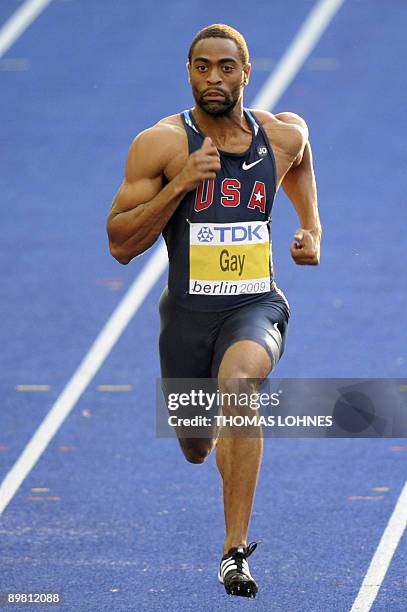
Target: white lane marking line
x=126, y=309
x=382, y=558
x=19, y=22
x=114, y=388
x=17, y=64
x=91, y=363
x=32, y=387
x=296, y=54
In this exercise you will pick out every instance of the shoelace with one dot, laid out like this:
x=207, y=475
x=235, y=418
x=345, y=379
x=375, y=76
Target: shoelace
x=250, y=548
x=236, y=560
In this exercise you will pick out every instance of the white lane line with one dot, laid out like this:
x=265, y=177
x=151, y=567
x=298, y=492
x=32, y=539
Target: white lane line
x=297, y=53
x=96, y=355
x=114, y=388
x=382, y=558
x=19, y=22
x=103, y=344
x=32, y=387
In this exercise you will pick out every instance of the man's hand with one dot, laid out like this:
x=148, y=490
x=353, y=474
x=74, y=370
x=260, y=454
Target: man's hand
x=305, y=248
x=201, y=165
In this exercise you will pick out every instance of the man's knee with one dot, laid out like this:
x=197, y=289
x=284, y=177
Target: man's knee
x=238, y=382
x=196, y=450
x=245, y=360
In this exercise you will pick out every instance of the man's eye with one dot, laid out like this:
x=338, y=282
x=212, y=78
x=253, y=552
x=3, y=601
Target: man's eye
x=228, y=68
x=201, y=68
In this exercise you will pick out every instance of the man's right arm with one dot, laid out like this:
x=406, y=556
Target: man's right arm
x=142, y=207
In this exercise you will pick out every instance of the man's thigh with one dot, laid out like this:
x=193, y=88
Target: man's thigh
x=251, y=339
x=187, y=340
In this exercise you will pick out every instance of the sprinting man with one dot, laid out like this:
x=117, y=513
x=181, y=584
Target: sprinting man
x=206, y=179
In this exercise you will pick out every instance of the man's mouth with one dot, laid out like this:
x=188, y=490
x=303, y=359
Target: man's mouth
x=213, y=95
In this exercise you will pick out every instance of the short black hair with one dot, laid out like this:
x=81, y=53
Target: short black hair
x=220, y=30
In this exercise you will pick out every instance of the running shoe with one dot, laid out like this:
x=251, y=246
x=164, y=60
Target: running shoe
x=234, y=571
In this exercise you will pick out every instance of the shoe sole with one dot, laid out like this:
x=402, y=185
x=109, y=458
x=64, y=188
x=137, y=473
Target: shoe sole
x=240, y=589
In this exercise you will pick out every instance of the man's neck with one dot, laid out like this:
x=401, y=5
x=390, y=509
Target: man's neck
x=219, y=125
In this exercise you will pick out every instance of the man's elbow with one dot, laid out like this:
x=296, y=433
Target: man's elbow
x=125, y=251
x=119, y=254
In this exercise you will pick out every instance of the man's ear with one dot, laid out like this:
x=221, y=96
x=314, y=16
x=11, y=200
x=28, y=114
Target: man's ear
x=246, y=74
x=188, y=66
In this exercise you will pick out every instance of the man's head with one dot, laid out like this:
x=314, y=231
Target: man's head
x=219, y=69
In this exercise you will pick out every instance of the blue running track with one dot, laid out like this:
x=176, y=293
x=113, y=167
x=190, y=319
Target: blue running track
x=111, y=515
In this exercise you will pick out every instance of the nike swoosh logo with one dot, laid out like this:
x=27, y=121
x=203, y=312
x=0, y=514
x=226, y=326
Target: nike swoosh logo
x=280, y=338
x=248, y=166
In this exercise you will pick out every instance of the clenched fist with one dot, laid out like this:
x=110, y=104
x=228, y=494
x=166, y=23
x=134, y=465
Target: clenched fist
x=305, y=249
x=201, y=165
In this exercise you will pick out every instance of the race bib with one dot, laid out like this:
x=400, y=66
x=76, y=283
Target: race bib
x=229, y=258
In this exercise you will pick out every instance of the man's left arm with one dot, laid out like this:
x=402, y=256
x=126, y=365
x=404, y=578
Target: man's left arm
x=300, y=186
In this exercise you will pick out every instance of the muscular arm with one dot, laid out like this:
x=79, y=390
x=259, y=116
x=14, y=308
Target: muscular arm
x=300, y=186
x=142, y=206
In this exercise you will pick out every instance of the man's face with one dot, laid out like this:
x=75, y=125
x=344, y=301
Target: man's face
x=217, y=75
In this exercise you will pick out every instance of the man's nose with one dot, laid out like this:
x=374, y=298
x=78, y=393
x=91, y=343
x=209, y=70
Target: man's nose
x=214, y=75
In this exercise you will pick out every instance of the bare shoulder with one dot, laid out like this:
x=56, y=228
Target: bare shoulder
x=165, y=134
x=153, y=148
x=287, y=131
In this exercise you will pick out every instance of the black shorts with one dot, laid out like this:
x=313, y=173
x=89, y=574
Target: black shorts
x=192, y=343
